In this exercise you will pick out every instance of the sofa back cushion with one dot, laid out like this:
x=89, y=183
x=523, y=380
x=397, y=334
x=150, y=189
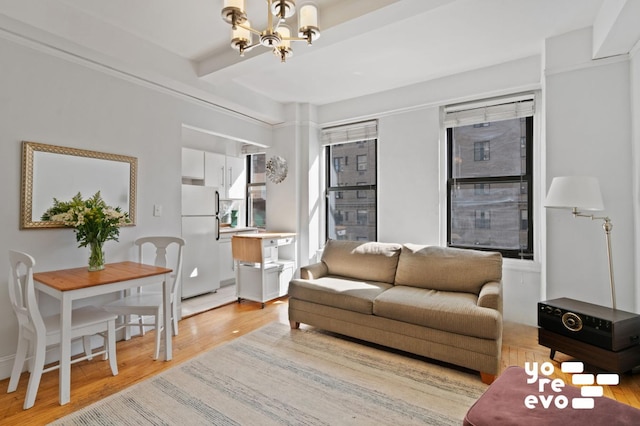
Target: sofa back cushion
x=447, y=269
x=363, y=261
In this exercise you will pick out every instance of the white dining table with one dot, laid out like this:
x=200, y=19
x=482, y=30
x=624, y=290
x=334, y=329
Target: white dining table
x=68, y=285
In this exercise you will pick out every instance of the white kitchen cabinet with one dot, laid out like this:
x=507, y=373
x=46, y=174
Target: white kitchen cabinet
x=237, y=177
x=227, y=269
x=214, y=170
x=225, y=173
x=261, y=283
x=192, y=163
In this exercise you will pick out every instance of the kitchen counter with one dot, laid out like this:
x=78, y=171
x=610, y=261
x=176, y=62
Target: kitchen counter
x=260, y=247
x=229, y=230
x=269, y=234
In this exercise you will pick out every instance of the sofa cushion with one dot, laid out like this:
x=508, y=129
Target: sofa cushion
x=339, y=292
x=455, y=312
x=448, y=269
x=370, y=261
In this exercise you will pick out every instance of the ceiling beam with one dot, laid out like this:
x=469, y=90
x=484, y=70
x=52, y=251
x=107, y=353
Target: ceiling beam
x=616, y=29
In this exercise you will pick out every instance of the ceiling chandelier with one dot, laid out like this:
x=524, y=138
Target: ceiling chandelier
x=277, y=35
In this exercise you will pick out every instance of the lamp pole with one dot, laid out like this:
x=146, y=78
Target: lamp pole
x=607, y=226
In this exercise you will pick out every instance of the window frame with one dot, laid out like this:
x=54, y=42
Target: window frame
x=249, y=185
x=527, y=179
x=351, y=188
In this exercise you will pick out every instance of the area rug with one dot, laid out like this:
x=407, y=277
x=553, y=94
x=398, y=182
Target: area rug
x=276, y=375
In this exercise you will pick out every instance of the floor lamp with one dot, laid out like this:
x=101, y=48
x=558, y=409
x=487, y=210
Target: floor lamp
x=580, y=194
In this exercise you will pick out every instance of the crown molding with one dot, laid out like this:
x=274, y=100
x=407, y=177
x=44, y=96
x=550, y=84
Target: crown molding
x=593, y=63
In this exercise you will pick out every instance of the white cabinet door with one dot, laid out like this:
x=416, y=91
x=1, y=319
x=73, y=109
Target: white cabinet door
x=215, y=171
x=225, y=173
x=236, y=177
x=227, y=272
x=192, y=163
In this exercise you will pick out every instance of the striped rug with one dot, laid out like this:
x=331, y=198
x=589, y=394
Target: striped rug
x=297, y=377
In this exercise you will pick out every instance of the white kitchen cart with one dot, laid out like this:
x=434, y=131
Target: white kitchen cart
x=265, y=263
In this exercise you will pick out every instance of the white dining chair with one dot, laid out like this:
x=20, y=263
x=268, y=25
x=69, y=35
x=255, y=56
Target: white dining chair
x=142, y=302
x=36, y=333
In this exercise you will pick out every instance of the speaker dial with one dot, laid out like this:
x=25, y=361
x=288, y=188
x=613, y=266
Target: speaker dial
x=572, y=321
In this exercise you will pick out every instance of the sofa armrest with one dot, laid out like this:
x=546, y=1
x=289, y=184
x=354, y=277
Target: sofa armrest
x=491, y=296
x=313, y=271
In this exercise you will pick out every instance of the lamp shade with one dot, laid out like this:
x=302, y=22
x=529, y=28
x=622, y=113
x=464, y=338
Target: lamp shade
x=285, y=33
x=241, y=34
x=239, y=4
x=575, y=192
x=308, y=16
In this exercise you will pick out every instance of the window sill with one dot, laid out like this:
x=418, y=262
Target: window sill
x=521, y=265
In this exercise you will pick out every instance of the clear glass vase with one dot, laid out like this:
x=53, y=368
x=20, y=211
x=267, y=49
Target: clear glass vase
x=96, y=257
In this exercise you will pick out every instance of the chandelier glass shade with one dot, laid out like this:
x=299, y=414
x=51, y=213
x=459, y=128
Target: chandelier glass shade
x=276, y=35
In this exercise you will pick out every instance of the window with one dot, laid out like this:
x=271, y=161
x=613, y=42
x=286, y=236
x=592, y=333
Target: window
x=362, y=194
x=363, y=217
x=482, y=188
x=524, y=220
x=339, y=163
x=490, y=176
x=351, y=194
x=483, y=219
x=481, y=151
x=362, y=162
x=256, y=191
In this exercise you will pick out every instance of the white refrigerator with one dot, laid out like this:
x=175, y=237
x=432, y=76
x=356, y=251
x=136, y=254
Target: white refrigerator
x=201, y=231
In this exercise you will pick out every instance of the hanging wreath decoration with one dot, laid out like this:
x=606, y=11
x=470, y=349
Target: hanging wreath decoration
x=277, y=169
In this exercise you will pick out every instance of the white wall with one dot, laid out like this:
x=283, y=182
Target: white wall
x=408, y=175
x=635, y=117
x=295, y=204
x=60, y=101
x=588, y=132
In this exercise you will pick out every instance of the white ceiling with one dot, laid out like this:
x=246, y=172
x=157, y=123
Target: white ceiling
x=366, y=46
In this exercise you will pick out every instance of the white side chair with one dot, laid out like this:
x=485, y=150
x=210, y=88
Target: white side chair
x=146, y=303
x=36, y=333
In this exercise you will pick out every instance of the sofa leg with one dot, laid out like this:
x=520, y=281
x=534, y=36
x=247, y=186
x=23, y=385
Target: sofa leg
x=294, y=325
x=487, y=378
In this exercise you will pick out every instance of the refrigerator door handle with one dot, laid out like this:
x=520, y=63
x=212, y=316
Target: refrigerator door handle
x=217, y=216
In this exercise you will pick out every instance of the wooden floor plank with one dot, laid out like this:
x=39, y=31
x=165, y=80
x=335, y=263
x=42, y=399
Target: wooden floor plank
x=92, y=380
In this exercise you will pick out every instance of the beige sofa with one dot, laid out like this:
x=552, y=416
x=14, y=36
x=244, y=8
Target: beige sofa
x=441, y=303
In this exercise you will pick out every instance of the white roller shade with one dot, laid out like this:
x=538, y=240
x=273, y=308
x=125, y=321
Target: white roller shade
x=350, y=133
x=489, y=110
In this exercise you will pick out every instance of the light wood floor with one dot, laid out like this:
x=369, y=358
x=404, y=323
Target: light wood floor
x=92, y=380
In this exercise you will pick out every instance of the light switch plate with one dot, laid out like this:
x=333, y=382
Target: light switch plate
x=157, y=210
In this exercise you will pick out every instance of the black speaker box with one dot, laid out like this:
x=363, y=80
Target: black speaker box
x=611, y=329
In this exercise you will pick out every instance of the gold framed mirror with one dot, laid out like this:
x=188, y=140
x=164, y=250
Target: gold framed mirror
x=51, y=171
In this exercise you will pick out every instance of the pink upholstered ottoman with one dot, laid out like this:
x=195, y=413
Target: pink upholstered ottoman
x=503, y=403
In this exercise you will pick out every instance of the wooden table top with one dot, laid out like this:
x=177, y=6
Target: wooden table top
x=78, y=278
x=267, y=235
